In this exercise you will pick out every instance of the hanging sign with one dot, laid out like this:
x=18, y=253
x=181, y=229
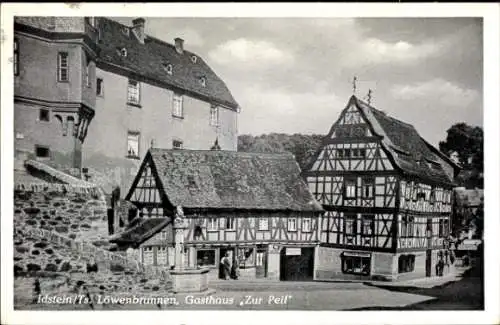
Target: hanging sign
x=293, y=251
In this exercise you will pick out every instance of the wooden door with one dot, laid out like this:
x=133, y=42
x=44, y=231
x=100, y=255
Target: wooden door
x=297, y=264
x=261, y=262
x=428, y=263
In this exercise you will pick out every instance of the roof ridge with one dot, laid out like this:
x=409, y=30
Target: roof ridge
x=384, y=113
x=231, y=152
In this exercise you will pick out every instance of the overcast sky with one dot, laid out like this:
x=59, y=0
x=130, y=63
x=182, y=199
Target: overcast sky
x=294, y=75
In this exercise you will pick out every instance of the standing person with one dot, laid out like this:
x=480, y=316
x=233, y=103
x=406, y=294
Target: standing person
x=235, y=270
x=226, y=266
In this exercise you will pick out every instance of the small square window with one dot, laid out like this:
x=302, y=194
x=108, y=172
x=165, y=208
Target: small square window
x=177, y=144
x=44, y=115
x=42, y=152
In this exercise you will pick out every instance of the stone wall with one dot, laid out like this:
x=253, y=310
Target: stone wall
x=77, y=213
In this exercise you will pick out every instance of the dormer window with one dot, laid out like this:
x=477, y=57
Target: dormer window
x=168, y=68
x=123, y=52
x=194, y=58
x=203, y=81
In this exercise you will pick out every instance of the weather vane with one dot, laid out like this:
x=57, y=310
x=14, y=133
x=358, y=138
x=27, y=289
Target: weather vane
x=354, y=85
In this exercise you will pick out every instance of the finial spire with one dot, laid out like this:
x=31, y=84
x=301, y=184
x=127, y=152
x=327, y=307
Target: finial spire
x=354, y=80
x=369, y=96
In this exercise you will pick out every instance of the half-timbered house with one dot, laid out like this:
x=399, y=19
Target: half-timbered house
x=387, y=196
x=250, y=205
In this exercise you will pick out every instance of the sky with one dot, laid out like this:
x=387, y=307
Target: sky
x=294, y=75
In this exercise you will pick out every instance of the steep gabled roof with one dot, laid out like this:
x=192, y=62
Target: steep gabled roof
x=408, y=150
x=149, y=60
x=206, y=179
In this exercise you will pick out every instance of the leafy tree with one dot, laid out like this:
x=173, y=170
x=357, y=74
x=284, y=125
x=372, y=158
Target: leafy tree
x=467, y=142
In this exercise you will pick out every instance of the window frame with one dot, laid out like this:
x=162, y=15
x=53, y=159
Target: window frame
x=346, y=180
x=61, y=68
x=212, y=224
x=303, y=228
x=266, y=219
x=230, y=221
x=367, y=181
x=344, y=263
x=371, y=219
x=289, y=223
x=150, y=250
x=133, y=91
x=131, y=133
x=178, y=105
x=406, y=263
x=214, y=111
x=205, y=250
x=354, y=218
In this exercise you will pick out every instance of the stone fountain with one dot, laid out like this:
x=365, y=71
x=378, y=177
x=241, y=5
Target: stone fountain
x=185, y=279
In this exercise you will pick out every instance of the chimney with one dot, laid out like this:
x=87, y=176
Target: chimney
x=179, y=45
x=138, y=28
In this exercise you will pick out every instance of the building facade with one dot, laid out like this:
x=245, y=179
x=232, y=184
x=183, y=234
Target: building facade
x=96, y=94
x=387, y=196
x=251, y=206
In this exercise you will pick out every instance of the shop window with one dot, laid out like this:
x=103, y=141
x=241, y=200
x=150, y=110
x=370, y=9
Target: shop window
x=353, y=264
x=246, y=256
x=406, y=263
x=205, y=257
